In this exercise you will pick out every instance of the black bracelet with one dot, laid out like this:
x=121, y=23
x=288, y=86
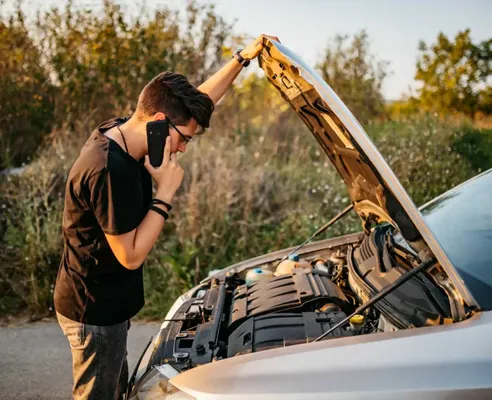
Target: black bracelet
x=163, y=203
x=240, y=59
x=159, y=211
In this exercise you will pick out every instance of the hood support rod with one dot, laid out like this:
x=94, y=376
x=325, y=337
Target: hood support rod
x=387, y=290
x=321, y=230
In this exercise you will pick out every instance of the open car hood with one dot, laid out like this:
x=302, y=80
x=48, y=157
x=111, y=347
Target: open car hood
x=374, y=189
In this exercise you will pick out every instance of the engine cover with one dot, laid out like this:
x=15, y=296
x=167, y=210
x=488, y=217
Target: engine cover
x=283, y=329
x=415, y=303
x=282, y=293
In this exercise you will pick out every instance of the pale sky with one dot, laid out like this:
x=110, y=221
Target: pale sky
x=394, y=26
x=305, y=26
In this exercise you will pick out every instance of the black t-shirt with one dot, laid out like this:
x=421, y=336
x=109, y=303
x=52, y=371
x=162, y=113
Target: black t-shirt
x=107, y=191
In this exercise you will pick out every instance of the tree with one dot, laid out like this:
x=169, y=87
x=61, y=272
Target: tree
x=26, y=95
x=100, y=61
x=455, y=74
x=355, y=75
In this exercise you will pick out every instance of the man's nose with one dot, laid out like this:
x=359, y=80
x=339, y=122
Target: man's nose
x=182, y=147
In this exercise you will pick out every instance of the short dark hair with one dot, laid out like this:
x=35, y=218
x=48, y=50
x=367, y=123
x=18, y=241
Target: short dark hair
x=172, y=94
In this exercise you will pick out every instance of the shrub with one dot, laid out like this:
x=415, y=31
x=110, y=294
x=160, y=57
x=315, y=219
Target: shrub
x=31, y=242
x=420, y=152
x=475, y=145
x=26, y=95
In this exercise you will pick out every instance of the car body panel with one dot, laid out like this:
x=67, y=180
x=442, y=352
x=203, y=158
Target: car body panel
x=279, y=254
x=451, y=361
x=373, y=187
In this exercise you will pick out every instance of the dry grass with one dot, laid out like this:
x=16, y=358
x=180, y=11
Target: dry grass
x=245, y=193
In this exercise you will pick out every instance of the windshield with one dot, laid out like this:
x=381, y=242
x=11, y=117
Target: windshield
x=461, y=220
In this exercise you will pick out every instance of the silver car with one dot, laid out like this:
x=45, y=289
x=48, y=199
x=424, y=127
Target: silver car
x=397, y=311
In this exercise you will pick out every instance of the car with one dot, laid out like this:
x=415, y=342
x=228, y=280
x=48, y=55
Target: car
x=400, y=310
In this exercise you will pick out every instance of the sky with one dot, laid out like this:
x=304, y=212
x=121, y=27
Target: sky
x=395, y=27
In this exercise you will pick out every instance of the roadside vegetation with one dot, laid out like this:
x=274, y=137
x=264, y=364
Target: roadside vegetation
x=256, y=182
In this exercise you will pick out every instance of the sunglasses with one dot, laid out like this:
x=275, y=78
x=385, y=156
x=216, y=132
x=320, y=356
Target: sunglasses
x=186, y=139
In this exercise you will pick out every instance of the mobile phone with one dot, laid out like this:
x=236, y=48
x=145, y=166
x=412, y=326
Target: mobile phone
x=157, y=133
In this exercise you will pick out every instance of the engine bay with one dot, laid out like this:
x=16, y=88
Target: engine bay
x=280, y=303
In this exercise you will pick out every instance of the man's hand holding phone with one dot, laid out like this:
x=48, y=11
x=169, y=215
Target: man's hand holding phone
x=168, y=176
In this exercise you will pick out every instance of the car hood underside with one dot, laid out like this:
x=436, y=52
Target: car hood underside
x=375, y=191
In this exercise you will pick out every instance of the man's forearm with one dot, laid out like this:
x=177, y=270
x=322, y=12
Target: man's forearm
x=131, y=248
x=146, y=235
x=218, y=84
x=222, y=80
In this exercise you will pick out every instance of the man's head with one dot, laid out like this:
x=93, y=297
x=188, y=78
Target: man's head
x=170, y=95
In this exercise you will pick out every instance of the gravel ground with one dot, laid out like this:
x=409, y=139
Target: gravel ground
x=35, y=360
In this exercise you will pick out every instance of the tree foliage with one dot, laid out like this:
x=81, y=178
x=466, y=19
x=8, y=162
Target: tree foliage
x=455, y=75
x=100, y=62
x=75, y=65
x=355, y=75
x=26, y=94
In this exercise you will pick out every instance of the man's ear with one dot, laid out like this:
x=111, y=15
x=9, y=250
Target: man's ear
x=159, y=116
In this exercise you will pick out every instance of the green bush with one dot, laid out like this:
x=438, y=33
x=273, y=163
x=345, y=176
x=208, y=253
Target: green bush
x=420, y=152
x=475, y=145
x=26, y=94
x=31, y=242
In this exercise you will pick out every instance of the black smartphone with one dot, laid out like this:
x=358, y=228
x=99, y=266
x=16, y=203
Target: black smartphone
x=157, y=132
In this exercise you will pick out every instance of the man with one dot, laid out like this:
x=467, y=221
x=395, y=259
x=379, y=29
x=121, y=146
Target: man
x=111, y=222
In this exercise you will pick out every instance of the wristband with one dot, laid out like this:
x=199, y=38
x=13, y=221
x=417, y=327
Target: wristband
x=163, y=203
x=240, y=59
x=158, y=210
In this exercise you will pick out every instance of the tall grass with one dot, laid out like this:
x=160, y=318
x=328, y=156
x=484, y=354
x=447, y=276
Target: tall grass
x=245, y=193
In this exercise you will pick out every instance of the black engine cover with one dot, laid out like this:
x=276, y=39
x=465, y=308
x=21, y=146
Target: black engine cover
x=412, y=304
x=282, y=329
x=284, y=293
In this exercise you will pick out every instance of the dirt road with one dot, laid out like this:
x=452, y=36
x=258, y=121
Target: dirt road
x=35, y=361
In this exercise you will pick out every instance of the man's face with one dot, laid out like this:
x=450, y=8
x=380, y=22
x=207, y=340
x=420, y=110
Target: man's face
x=179, y=133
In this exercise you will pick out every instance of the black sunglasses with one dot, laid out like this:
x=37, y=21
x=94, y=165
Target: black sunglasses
x=186, y=139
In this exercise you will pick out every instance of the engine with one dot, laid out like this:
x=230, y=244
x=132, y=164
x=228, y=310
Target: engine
x=302, y=288
x=277, y=304
x=289, y=309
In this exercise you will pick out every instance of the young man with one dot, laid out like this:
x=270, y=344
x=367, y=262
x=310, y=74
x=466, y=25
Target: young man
x=111, y=222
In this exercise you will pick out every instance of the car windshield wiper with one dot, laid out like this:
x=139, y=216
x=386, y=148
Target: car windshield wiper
x=321, y=230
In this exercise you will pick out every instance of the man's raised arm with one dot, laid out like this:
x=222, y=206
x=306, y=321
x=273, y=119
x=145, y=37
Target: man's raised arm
x=222, y=80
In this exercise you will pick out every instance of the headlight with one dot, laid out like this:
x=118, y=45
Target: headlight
x=156, y=386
